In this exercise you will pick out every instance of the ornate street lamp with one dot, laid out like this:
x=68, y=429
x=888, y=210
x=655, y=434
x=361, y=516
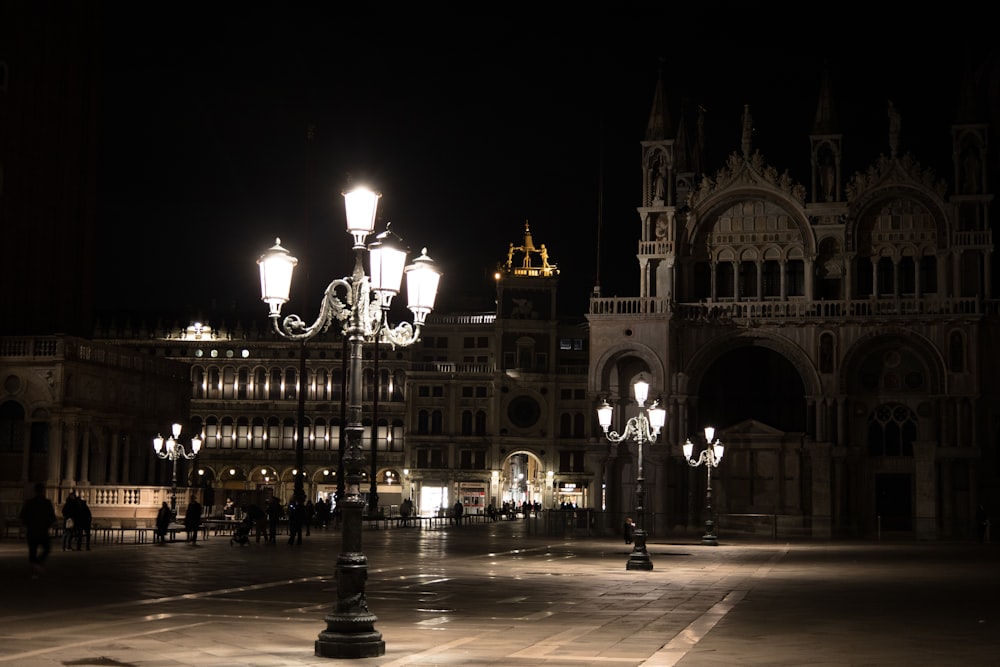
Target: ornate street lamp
x=174, y=451
x=643, y=428
x=711, y=456
x=359, y=305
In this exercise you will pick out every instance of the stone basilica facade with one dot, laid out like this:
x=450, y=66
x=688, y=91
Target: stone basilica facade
x=837, y=334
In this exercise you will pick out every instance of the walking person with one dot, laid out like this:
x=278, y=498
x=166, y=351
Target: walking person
x=457, y=512
x=37, y=515
x=163, y=518
x=84, y=521
x=192, y=520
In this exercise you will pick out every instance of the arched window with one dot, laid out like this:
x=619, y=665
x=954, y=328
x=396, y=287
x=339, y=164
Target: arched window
x=892, y=428
x=273, y=434
x=228, y=383
x=274, y=385
x=257, y=433
x=565, y=425
x=242, y=433
x=288, y=433
x=291, y=384
x=214, y=388
x=480, y=422
x=466, y=422
x=211, y=433
x=259, y=384
x=198, y=382
x=243, y=384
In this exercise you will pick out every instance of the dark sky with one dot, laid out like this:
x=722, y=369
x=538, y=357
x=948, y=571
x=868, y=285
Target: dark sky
x=205, y=159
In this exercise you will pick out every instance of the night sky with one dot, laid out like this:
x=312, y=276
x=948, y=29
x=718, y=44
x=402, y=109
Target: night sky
x=205, y=160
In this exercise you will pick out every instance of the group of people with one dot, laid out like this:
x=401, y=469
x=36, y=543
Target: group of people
x=192, y=521
x=77, y=522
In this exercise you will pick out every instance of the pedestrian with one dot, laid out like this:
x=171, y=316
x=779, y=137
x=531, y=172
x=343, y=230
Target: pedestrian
x=163, y=518
x=457, y=512
x=254, y=516
x=84, y=521
x=69, y=521
x=982, y=524
x=229, y=510
x=307, y=516
x=37, y=515
x=296, y=516
x=405, y=510
x=273, y=512
x=629, y=530
x=192, y=520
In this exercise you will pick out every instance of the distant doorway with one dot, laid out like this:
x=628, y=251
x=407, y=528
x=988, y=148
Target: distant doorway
x=894, y=502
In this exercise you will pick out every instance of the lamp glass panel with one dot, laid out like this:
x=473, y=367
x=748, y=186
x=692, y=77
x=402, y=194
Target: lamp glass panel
x=641, y=391
x=361, y=205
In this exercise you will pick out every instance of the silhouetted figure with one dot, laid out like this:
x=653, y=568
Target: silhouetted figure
x=69, y=520
x=457, y=512
x=163, y=518
x=629, y=530
x=982, y=523
x=84, y=522
x=308, y=512
x=37, y=515
x=192, y=520
x=274, y=512
x=405, y=511
x=296, y=517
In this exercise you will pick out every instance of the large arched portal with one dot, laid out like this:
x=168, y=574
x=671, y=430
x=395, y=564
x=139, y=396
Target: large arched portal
x=752, y=382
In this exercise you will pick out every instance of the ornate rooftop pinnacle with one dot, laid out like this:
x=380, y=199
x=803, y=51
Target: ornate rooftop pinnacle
x=527, y=266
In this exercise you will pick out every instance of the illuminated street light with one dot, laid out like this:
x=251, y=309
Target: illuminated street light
x=359, y=305
x=173, y=451
x=643, y=428
x=710, y=457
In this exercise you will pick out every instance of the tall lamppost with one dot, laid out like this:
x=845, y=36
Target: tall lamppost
x=174, y=451
x=643, y=428
x=359, y=305
x=710, y=457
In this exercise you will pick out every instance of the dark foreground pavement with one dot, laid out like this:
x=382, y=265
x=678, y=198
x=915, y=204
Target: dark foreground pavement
x=491, y=595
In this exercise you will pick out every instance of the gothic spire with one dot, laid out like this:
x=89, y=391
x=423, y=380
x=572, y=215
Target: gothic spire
x=826, y=121
x=659, y=126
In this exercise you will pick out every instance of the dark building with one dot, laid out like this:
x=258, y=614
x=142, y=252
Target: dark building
x=49, y=104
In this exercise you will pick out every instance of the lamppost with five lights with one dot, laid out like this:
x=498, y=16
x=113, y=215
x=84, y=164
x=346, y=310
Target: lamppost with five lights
x=359, y=305
x=710, y=457
x=173, y=451
x=644, y=427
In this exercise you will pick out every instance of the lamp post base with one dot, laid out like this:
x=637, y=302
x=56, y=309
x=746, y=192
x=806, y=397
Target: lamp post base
x=639, y=558
x=709, y=539
x=350, y=629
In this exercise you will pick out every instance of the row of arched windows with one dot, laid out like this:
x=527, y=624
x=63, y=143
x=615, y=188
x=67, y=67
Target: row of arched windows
x=275, y=433
x=277, y=384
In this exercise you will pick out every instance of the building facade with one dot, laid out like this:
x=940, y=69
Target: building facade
x=838, y=335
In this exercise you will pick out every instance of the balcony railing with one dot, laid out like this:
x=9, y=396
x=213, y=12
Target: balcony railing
x=744, y=312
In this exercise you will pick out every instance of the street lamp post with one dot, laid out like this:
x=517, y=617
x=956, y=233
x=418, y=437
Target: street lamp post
x=643, y=428
x=710, y=457
x=359, y=304
x=174, y=451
